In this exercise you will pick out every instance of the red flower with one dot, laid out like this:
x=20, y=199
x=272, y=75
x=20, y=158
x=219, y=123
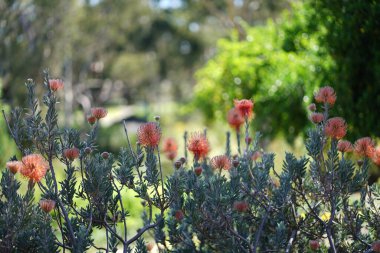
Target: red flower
x=34, y=167
x=376, y=246
x=326, y=95
x=221, y=162
x=71, y=153
x=91, y=120
x=345, y=146
x=198, y=171
x=179, y=215
x=14, y=166
x=55, y=84
x=241, y=206
x=317, y=117
x=47, y=205
x=376, y=156
x=336, y=128
x=99, y=112
x=149, y=134
x=364, y=147
x=235, y=119
x=244, y=107
x=198, y=145
x=314, y=244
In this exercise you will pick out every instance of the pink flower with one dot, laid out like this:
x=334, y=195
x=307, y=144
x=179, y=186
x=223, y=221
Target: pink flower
x=316, y=117
x=99, y=112
x=326, y=95
x=244, y=107
x=312, y=107
x=345, y=146
x=47, y=205
x=364, y=147
x=235, y=119
x=55, y=84
x=71, y=153
x=336, y=128
x=376, y=156
x=221, y=162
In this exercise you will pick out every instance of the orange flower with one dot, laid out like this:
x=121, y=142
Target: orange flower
x=336, y=128
x=244, y=107
x=241, y=206
x=326, y=95
x=314, y=244
x=149, y=246
x=316, y=117
x=169, y=145
x=376, y=156
x=198, y=145
x=149, y=134
x=221, y=162
x=47, y=205
x=99, y=112
x=364, y=147
x=14, y=166
x=235, y=119
x=71, y=153
x=55, y=84
x=34, y=167
x=345, y=146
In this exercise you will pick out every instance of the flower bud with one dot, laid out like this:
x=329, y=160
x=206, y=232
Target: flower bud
x=198, y=171
x=248, y=140
x=47, y=205
x=178, y=164
x=235, y=163
x=105, y=155
x=88, y=150
x=312, y=107
x=241, y=206
x=157, y=118
x=183, y=160
x=179, y=215
x=149, y=246
x=314, y=244
x=360, y=162
x=91, y=120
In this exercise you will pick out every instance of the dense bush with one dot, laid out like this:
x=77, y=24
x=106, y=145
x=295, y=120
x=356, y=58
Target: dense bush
x=233, y=202
x=281, y=64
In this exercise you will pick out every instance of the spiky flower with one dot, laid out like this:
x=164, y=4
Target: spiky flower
x=71, y=153
x=326, y=95
x=47, y=205
x=235, y=119
x=364, y=147
x=149, y=135
x=99, y=112
x=221, y=162
x=336, y=128
x=14, y=166
x=34, y=167
x=345, y=146
x=317, y=117
x=244, y=107
x=56, y=84
x=198, y=145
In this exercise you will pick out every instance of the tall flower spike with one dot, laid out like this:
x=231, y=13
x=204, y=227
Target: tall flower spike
x=34, y=167
x=149, y=135
x=99, y=112
x=364, y=147
x=55, y=84
x=326, y=95
x=336, y=128
x=244, y=107
x=235, y=119
x=198, y=145
x=221, y=162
